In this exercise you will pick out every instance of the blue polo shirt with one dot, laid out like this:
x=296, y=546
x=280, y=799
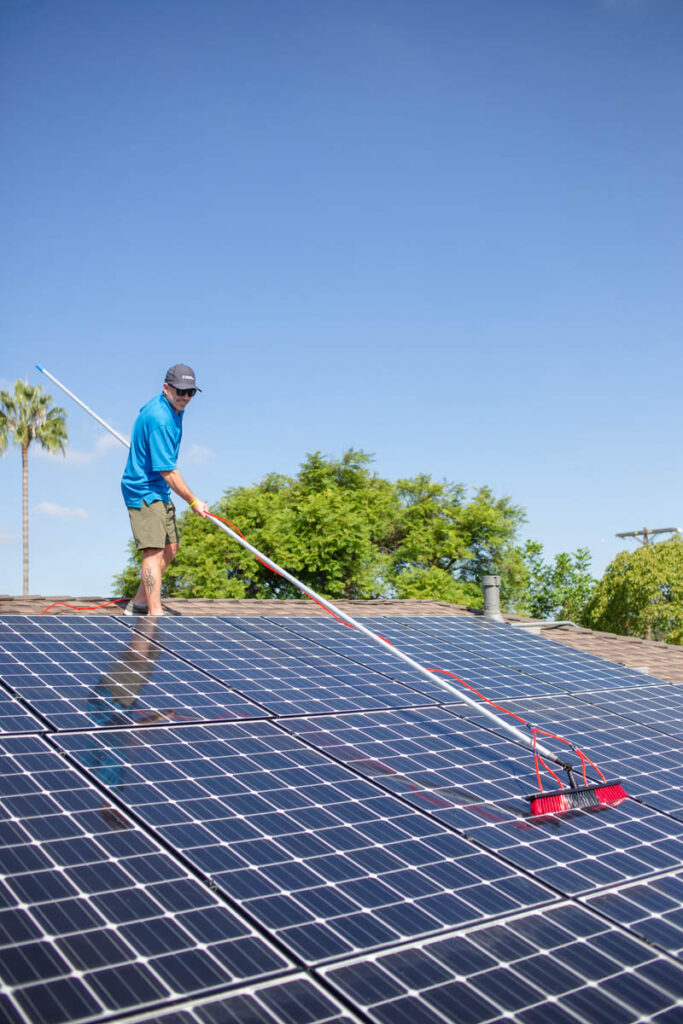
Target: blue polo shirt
x=157, y=432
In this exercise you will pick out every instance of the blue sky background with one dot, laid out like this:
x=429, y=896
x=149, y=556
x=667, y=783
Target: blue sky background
x=448, y=233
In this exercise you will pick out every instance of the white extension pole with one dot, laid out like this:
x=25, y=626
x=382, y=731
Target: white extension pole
x=519, y=736
x=119, y=437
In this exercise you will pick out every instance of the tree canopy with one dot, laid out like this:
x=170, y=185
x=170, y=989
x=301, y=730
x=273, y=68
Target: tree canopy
x=348, y=533
x=559, y=589
x=641, y=594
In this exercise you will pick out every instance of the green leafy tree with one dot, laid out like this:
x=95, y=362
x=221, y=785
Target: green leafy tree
x=26, y=416
x=560, y=589
x=641, y=594
x=347, y=533
x=442, y=544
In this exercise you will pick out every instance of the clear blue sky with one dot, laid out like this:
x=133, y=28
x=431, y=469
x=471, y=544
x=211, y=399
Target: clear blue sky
x=446, y=232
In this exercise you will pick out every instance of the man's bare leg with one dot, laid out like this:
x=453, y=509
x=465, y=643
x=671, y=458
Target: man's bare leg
x=155, y=561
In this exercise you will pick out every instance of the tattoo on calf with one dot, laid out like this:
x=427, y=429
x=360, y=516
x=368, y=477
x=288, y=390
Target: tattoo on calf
x=150, y=581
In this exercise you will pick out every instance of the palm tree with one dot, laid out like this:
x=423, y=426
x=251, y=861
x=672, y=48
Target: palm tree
x=26, y=416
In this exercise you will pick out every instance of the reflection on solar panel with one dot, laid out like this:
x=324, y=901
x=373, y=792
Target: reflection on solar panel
x=210, y=821
x=291, y=678
x=76, y=673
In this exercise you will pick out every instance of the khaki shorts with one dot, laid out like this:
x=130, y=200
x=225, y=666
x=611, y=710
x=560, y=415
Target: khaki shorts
x=154, y=525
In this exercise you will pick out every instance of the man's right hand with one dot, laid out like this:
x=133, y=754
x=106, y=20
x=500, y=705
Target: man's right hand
x=200, y=507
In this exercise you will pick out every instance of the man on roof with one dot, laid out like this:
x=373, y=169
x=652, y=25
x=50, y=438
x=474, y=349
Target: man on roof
x=150, y=475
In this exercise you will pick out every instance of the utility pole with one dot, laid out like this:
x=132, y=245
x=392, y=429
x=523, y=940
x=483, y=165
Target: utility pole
x=645, y=533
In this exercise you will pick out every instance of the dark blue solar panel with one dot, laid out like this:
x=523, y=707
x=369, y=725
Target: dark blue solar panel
x=431, y=758
x=76, y=674
x=495, y=680
x=292, y=677
x=659, y=707
x=564, y=667
x=450, y=773
x=563, y=964
x=95, y=916
x=319, y=856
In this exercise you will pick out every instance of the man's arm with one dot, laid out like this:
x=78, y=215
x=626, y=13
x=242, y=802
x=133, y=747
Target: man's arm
x=174, y=479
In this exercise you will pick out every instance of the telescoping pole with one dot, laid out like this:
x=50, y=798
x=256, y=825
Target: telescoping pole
x=519, y=736
x=119, y=437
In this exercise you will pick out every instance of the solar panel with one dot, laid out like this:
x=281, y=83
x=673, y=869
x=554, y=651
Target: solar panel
x=565, y=667
x=291, y=678
x=313, y=852
x=476, y=786
x=431, y=758
x=497, y=681
x=77, y=673
x=563, y=964
x=96, y=916
x=310, y=832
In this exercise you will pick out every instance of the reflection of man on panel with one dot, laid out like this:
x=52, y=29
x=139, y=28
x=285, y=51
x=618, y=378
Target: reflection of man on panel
x=118, y=693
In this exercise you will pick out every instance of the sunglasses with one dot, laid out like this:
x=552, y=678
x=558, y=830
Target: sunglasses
x=191, y=392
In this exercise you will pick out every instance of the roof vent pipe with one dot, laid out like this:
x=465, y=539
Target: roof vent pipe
x=491, y=587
